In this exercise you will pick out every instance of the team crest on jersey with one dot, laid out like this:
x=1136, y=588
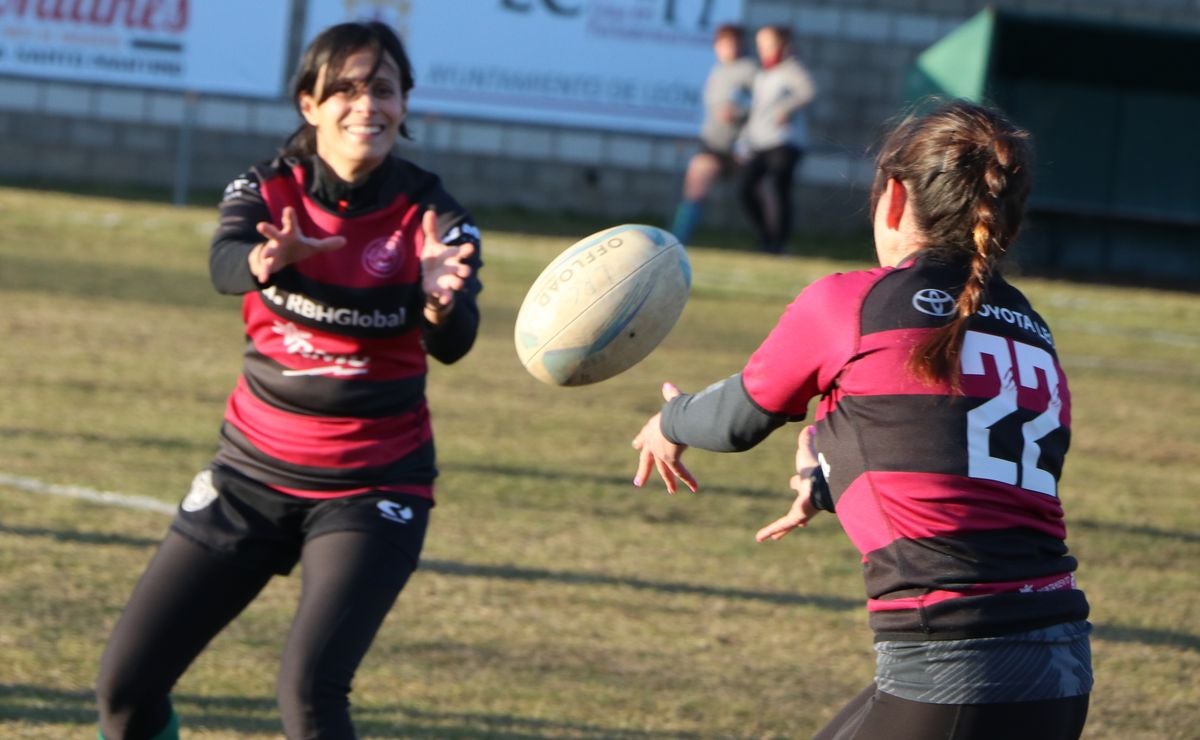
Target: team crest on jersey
x=934, y=302
x=384, y=256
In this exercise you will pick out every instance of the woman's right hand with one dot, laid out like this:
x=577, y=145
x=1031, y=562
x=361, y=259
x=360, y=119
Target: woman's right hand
x=286, y=245
x=656, y=451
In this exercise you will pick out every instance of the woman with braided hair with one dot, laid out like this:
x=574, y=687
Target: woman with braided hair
x=941, y=426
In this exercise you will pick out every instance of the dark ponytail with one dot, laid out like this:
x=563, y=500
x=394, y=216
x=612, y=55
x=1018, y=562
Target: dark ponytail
x=967, y=171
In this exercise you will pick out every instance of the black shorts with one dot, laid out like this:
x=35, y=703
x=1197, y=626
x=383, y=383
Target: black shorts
x=724, y=156
x=233, y=515
x=875, y=715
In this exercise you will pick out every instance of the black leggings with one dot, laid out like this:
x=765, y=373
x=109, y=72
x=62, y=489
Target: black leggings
x=350, y=580
x=874, y=715
x=776, y=167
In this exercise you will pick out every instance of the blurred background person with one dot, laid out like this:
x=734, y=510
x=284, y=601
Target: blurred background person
x=774, y=138
x=354, y=265
x=726, y=103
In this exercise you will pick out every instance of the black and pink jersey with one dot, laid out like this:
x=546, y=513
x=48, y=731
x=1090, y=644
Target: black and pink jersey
x=951, y=496
x=331, y=399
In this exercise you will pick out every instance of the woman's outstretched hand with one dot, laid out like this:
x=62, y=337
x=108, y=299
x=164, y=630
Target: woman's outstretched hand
x=655, y=450
x=286, y=244
x=444, y=269
x=802, y=509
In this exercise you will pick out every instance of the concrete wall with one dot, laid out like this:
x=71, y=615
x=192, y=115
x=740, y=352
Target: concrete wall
x=858, y=51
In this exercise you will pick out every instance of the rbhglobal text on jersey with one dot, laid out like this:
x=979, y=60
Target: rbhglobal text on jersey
x=310, y=309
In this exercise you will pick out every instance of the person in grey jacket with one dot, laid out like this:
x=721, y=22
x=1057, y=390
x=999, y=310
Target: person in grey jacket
x=726, y=103
x=774, y=138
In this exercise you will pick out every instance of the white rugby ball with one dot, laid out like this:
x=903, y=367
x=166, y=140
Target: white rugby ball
x=602, y=305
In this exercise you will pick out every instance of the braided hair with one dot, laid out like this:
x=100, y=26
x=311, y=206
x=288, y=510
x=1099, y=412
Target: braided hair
x=967, y=171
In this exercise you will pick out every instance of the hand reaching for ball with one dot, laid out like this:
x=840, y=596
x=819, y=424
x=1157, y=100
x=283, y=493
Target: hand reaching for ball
x=444, y=269
x=286, y=244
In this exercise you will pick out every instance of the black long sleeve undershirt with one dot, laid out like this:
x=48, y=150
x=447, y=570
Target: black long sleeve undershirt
x=243, y=208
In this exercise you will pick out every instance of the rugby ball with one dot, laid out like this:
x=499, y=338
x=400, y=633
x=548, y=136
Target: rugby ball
x=603, y=305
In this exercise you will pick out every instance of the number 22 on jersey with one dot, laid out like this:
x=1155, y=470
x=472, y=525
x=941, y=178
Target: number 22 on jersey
x=1015, y=363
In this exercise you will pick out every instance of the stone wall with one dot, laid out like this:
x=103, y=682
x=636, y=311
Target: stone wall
x=858, y=51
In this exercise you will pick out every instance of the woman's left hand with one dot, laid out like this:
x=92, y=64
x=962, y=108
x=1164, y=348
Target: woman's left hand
x=654, y=449
x=444, y=269
x=802, y=509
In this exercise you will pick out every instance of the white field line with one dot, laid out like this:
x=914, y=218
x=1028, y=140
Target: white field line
x=1100, y=329
x=124, y=500
x=1171, y=370
x=145, y=503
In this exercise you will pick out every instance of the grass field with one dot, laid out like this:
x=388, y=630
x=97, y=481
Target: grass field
x=555, y=600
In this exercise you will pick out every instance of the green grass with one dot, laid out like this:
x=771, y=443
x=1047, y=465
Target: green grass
x=555, y=600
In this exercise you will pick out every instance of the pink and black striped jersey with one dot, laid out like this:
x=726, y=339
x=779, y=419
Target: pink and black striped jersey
x=950, y=496
x=331, y=400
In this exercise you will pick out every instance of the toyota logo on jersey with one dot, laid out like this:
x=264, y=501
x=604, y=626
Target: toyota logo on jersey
x=934, y=302
x=384, y=256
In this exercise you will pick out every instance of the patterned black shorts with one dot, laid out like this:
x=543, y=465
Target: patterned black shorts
x=261, y=527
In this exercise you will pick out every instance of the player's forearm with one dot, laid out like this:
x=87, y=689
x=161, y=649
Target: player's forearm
x=721, y=418
x=454, y=334
x=235, y=239
x=229, y=265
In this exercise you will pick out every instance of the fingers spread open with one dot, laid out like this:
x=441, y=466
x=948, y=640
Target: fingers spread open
x=329, y=243
x=668, y=476
x=686, y=476
x=268, y=229
x=429, y=225
x=776, y=529
x=645, y=460
x=465, y=250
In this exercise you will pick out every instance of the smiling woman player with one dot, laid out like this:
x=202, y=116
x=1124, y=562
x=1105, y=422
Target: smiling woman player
x=353, y=265
x=941, y=428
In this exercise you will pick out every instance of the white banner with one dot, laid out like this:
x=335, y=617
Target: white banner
x=235, y=47
x=619, y=65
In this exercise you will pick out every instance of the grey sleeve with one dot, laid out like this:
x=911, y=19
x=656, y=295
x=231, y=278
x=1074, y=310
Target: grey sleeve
x=720, y=418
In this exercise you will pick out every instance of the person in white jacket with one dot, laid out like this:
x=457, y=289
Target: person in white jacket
x=774, y=138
